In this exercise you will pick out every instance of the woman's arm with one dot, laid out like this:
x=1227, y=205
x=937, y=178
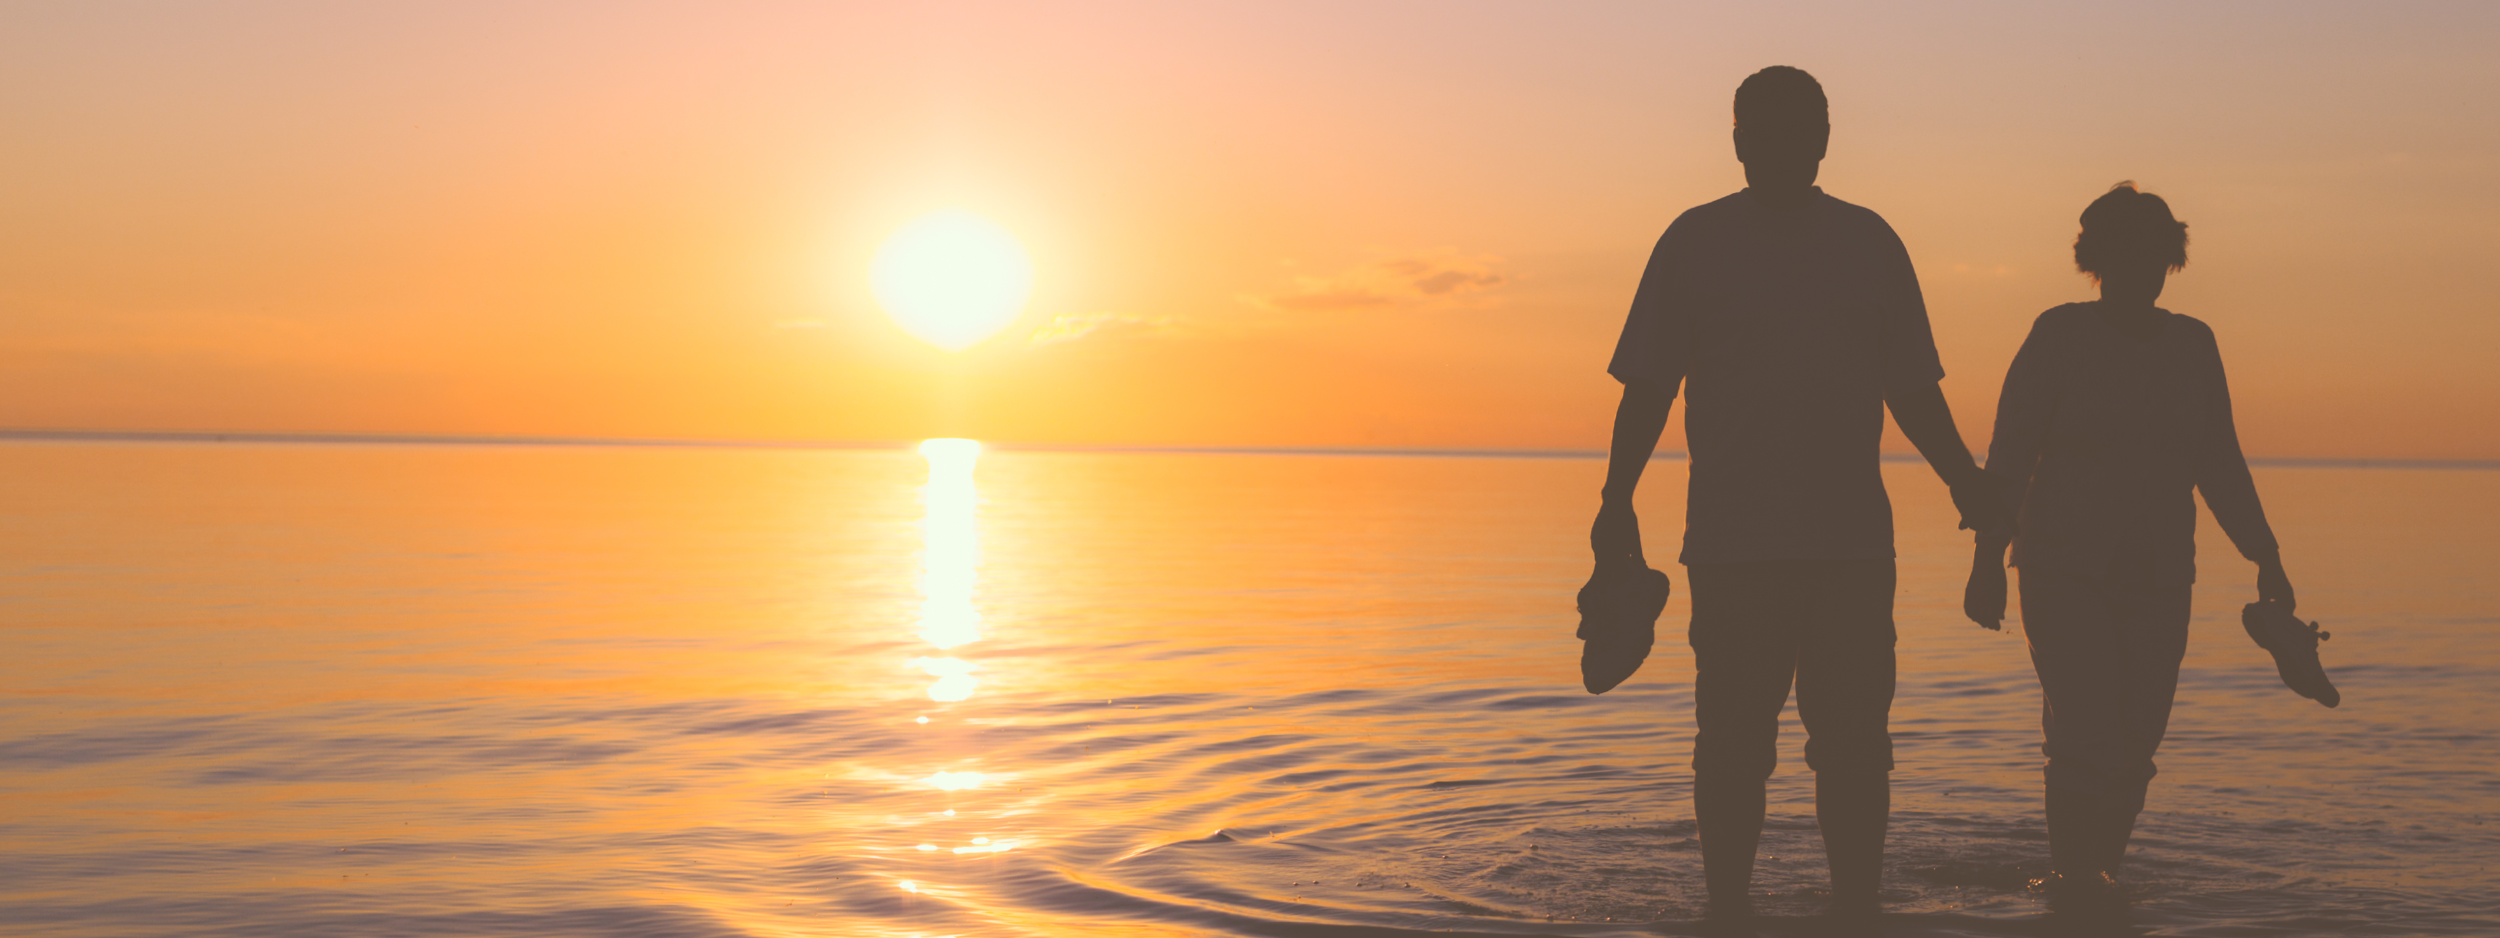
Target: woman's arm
x=2230, y=492
x=2024, y=409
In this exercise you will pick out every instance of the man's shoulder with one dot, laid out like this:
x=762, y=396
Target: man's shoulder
x=1714, y=214
x=1858, y=217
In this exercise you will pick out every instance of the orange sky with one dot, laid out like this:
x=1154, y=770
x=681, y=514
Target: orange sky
x=1390, y=225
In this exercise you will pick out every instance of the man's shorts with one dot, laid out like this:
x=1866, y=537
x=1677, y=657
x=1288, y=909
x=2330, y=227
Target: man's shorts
x=1826, y=625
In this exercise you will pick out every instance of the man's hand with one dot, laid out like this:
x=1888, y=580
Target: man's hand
x=1981, y=500
x=1984, y=599
x=2273, y=586
x=1921, y=414
x=1616, y=537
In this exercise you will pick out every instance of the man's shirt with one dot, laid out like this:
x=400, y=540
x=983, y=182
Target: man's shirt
x=1785, y=327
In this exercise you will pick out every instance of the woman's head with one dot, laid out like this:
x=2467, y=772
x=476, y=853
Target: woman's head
x=2129, y=234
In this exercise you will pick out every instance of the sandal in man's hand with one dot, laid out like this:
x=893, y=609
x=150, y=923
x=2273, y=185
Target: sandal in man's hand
x=1618, y=622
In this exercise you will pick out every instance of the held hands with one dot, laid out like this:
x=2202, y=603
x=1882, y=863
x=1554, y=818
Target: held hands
x=1984, y=599
x=1987, y=508
x=1982, y=502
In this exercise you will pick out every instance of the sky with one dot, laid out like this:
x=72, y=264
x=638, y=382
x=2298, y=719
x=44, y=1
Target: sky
x=1272, y=224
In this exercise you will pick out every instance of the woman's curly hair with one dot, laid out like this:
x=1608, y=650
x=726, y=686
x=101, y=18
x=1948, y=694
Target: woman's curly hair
x=2125, y=228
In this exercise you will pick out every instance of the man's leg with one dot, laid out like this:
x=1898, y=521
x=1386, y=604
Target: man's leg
x=1845, y=673
x=1742, y=662
x=1853, y=809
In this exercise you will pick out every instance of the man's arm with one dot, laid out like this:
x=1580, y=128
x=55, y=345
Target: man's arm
x=1923, y=417
x=1639, y=419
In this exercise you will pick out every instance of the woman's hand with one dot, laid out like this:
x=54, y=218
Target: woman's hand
x=2273, y=586
x=1984, y=599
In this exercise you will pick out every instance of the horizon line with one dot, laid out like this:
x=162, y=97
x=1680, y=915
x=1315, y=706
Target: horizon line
x=30, y=434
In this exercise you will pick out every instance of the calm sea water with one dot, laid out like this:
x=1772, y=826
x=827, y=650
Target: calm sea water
x=403, y=690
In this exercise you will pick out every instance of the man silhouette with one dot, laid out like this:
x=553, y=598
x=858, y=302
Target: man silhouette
x=1792, y=319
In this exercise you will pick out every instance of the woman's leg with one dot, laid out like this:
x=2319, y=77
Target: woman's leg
x=2072, y=628
x=2108, y=658
x=2153, y=637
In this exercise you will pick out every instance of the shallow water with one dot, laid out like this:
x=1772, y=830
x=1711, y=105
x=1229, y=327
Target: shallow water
x=406, y=690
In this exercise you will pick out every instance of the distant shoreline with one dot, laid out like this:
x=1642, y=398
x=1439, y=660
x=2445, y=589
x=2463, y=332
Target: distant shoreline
x=446, y=439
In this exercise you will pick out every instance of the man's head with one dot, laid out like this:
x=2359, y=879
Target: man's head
x=1783, y=126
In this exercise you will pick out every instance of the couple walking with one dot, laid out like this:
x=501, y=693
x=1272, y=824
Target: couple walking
x=1792, y=320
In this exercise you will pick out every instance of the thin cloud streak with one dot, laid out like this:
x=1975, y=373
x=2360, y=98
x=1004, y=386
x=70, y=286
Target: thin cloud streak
x=1392, y=281
x=1069, y=327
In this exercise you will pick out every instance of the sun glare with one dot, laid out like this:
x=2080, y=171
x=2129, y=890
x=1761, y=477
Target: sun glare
x=952, y=278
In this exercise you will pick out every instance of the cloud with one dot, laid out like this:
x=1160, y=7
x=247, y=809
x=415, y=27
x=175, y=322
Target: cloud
x=1069, y=327
x=1393, y=281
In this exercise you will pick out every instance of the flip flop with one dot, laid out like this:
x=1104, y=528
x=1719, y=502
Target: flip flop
x=1618, y=623
x=2294, y=645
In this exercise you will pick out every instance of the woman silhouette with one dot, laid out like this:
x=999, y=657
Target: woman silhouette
x=2113, y=412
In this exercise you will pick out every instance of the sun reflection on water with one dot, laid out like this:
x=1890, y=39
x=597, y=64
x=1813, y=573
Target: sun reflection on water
x=956, y=781
x=950, y=545
x=949, y=570
x=954, y=678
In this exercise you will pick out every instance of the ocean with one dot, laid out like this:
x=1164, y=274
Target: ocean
x=263, y=689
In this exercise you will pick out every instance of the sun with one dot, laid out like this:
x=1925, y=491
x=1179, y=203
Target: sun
x=952, y=278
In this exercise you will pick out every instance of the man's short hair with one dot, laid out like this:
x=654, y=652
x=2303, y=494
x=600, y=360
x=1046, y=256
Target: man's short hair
x=2125, y=227
x=1781, y=97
